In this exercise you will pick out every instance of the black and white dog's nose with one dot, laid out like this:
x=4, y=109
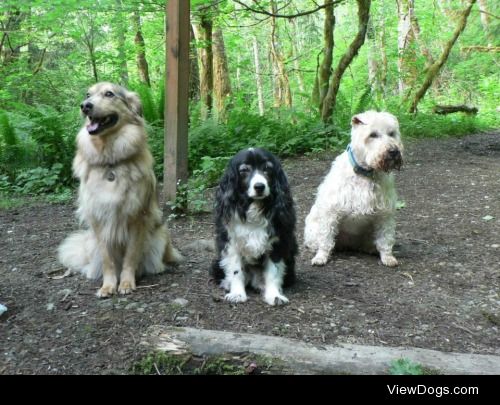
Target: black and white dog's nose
x=259, y=187
x=86, y=107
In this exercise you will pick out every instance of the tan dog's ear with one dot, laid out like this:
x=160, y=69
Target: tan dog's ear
x=134, y=102
x=356, y=121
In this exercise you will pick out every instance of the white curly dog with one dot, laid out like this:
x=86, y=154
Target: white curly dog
x=356, y=203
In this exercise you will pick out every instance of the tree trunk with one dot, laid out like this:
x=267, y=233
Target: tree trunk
x=13, y=22
x=325, y=69
x=485, y=20
x=295, y=55
x=436, y=66
x=258, y=78
x=120, y=37
x=373, y=73
x=383, y=55
x=282, y=95
x=331, y=97
x=424, y=50
x=194, y=70
x=222, y=82
x=406, y=58
x=88, y=41
x=315, y=92
x=140, y=49
x=203, y=34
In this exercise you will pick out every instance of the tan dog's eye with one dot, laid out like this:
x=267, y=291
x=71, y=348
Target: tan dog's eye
x=109, y=94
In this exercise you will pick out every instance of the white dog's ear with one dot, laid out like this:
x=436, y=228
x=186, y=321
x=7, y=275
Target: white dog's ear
x=134, y=102
x=356, y=121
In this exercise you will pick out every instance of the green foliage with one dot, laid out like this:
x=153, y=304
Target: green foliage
x=150, y=111
x=7, y=132
x=160, y=362
x=44, y=83
x=186, y=364
x=5, y=185
x=39, y=180
x=405, y=367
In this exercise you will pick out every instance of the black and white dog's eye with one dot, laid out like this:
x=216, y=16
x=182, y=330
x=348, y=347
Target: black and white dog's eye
x=109, y=94
x=373, y=135
x=244, y=170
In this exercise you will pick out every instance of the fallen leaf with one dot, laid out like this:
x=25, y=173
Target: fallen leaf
x=66, y=274
x=400, y=205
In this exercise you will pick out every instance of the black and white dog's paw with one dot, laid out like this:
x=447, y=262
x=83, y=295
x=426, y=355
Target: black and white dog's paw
x=275, y=298
x=235, y=297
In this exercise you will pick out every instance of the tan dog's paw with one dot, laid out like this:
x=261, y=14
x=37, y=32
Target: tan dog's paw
x=107, y=290
x=389, y=260
x=320, y=259
x=126, y=287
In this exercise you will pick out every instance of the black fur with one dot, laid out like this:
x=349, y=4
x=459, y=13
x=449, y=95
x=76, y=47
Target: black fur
x=278, y=208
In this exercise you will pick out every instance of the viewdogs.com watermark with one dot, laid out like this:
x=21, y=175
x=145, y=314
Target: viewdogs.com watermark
x=438, y=392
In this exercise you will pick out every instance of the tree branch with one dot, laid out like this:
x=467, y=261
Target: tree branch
x=261, y=10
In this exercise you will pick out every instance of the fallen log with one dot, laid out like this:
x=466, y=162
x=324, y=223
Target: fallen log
x=307, y=358
x=449, y=109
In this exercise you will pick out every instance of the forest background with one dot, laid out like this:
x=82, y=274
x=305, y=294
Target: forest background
x=286, y=75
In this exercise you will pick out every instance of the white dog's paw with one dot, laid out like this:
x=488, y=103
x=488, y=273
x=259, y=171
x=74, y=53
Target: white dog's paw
x=107, y=290
x=389, y=260
x=320, y=259
x=126, y=287
x=275, y=299
x=235, y=297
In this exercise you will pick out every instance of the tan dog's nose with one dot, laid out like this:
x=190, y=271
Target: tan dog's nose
x=86, y=107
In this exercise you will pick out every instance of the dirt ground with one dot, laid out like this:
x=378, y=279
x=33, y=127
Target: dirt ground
x=444, y=295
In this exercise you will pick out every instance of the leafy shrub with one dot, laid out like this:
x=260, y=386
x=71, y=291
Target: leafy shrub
x=39, y=180
x=5, y=185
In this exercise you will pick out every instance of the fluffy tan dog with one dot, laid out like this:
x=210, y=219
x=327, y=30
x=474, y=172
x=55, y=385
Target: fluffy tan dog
x=117, y=198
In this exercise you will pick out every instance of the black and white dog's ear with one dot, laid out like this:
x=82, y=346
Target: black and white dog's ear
x=225, y=195
x=283, y=202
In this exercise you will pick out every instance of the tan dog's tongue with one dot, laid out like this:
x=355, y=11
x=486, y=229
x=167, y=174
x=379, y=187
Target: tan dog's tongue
x=92, y=126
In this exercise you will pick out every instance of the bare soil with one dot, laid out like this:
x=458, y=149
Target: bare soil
x=445, y=294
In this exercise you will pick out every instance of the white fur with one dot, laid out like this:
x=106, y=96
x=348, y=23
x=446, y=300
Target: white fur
x=352, y=210
x=258, y=178
x=248, y=241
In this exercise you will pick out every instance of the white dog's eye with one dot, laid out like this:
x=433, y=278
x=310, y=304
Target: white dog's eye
x=109, y=94
x=373, y=135
x=87, y=95
x=392, y=134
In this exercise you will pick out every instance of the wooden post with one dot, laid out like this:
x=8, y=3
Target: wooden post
x=175, y=161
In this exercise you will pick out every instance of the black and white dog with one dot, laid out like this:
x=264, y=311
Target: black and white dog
x=255, y=226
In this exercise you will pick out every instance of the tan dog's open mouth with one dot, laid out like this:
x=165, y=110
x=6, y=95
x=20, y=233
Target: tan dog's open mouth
x=99, y=124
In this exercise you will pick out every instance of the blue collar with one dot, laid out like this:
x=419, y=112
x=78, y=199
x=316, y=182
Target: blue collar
x=355, y=166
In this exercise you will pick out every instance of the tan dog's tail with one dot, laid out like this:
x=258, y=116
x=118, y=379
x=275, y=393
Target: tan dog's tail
x=171, y=254
x=79, y=252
